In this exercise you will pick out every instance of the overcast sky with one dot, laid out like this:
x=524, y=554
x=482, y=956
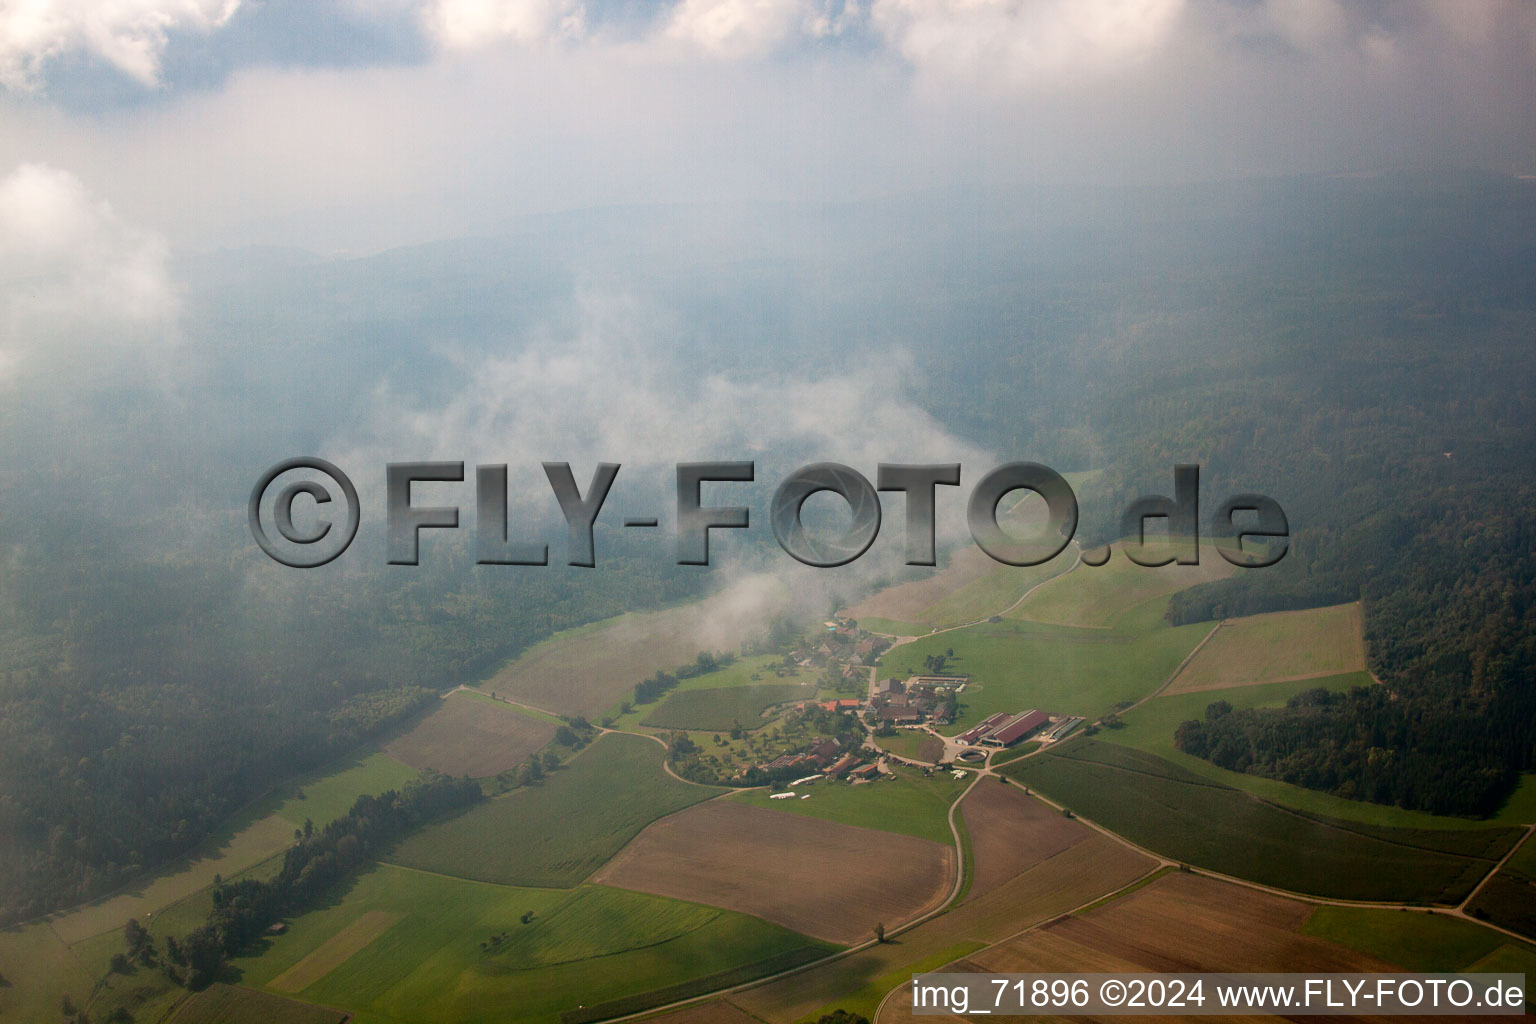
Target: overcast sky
x=358, y=124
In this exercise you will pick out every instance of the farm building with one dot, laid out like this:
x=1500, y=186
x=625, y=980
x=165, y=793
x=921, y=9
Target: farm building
x=1061, y=728
x=937, y=682
x=824, y=752
x=844, y=763
x=976, y=732
x=899, y=716
x=868, y=771
x=889, y=687
x=1016, y=729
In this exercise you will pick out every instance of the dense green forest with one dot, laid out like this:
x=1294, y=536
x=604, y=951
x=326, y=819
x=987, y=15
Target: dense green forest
x=1383, y=392
x=173, y=700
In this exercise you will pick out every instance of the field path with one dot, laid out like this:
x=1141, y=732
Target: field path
x=1461, y=908
x=897, y=641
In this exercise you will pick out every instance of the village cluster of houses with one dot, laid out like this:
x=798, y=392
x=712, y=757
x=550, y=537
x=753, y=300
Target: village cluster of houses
x=917, y=699
x=914, y=701
x=842, y=643
x=824, y=759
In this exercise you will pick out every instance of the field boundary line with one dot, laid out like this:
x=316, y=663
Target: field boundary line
x=1108, y=897
x=1181, y=667
x=1462, y=906
x=839, y=954
x=1265, y=682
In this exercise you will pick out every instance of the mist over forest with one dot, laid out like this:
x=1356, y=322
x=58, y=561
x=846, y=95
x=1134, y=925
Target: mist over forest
x=1356, y=347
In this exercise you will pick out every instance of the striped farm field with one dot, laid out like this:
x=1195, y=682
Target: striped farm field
x=835, y=882
x=1277, y=646
x=469, y=734
x=335, y=951
x=559, y=831
x=462, y=952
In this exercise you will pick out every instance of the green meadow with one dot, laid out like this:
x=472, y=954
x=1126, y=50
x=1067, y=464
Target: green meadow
x=1017, y=665
x=1186, y=817
x=460, y=951
x=558, y=831
x=718, y=709
x=909, y=803
x=1411, y=939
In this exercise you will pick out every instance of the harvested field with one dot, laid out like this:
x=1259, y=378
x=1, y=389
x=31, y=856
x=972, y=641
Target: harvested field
x=1011, y=833
x=1182, y=922
x=231, y=1004
x=828, y=881
x=335, y=951
x=470, y=735
x=1066, y=881
x=1278, y=645
x=905, y=602
x=1179, y=922
x=587, y=671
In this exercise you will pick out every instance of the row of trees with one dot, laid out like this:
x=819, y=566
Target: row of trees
x=243, y=910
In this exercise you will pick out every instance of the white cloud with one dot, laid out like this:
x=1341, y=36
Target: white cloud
x=1023, y=42
x=471, y=24
x=74, y=278
x=130, y=35
x=615, y=393
x=742, y=29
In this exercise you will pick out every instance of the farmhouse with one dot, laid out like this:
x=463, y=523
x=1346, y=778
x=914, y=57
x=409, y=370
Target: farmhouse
x=1016, y=729
x=899, y=716
x=976, y=732
x=823, y=753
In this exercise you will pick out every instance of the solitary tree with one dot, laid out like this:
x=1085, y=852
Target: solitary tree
x=879, y=932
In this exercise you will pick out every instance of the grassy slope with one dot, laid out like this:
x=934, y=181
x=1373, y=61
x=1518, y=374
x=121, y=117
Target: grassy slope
x=39, y=969
x=1019, y=665
x=991, y=594
x=717, y=710
x=1279, y=645
x=329, y=794
x=1416, y=941
x=910, y=804
x=918, y=744
x=1097, y=597
x=558, y=832
x=430, y=966
x=1187, y=818
x=1520, y=808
